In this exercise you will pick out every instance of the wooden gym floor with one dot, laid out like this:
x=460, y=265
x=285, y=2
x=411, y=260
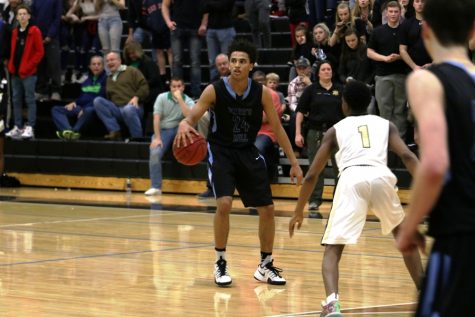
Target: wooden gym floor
x=104, y=253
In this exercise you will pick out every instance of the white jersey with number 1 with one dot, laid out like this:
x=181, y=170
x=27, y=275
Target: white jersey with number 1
x=362, y=140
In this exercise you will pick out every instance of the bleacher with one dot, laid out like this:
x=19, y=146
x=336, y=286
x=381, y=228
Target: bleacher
x=94, y=163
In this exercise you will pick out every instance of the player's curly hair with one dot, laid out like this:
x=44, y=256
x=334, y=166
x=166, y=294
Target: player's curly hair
x=243, y=45
x=357, y=95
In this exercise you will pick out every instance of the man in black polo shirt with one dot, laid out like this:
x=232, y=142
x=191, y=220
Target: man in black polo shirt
x=390, y=71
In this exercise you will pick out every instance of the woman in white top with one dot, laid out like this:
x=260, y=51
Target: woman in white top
x=110, y=24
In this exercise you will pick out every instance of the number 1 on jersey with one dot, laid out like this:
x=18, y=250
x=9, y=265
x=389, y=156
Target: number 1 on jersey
x=363, y=130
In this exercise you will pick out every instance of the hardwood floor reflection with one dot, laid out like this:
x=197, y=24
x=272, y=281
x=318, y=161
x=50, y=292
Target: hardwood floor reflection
x=99, y=259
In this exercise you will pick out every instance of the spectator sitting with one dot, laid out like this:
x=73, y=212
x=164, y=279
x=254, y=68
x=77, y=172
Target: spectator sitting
x=126, y=90
x=83, y=108
x=303, y=48
x=222, y=65
x=135, y=57
x=169, y=109
x=272, y=82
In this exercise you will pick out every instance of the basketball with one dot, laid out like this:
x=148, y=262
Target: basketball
x=192, y=153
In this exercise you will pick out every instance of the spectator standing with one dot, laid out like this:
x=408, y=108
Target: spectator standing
x=354, y=62
x=169, y=109
x=297, y=13
x=25, y=56
x=321, y=48
x=126, y=90
x=390, y=70
x=146, y=21
x=184, y=21
x=344, y=21
x=220, y=30
x=82, y=109
x=110, y=24
x=320, y=105
x=258, y=14
x=294, y=91
x=411, y=46
x=363, y=10
x=47, y=16
x=87, y=35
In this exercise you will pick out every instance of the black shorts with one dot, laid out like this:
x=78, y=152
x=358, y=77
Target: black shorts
x=161, y=40
x=448, y=288
x=243, y=169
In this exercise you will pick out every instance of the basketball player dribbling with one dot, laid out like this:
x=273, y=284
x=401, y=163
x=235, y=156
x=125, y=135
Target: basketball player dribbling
x=235, y=104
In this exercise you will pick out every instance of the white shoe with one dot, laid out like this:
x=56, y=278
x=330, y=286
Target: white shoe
x=269, y=274
x=56, y=96
x=28, y=133
x=14, y=133
x=221, y=275
x=153, y=191
x=81, y=79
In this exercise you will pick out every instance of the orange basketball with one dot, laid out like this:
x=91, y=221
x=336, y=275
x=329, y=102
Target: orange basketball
x=192, y=153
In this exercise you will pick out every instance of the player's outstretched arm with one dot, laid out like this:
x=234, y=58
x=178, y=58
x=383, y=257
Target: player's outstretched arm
x=318, y=164
x=427, y=100
x=185, y=128
x=397, y=145
x=282, y=138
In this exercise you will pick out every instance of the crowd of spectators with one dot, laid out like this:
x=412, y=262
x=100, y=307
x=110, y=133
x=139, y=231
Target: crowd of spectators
x=374, y=41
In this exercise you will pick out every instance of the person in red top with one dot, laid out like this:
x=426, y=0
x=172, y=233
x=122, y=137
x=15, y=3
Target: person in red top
x=25, y=55
x=266, y=139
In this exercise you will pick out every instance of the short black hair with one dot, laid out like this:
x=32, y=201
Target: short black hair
x=243, y=45
x=451, y=21
x=357, y=95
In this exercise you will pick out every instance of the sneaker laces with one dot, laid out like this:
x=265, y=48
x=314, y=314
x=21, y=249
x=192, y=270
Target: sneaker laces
x=222, y=268
x=273, y=269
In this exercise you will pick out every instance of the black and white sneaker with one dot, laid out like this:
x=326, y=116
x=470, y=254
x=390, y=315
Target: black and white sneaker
x=269, y=274
x=221, y=275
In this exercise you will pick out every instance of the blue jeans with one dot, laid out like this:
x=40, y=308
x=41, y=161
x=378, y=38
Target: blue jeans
x=111, y=114
x=258, y=12
x=218, y=41
x=156, y=154
x=24, y=88
x=110, y=32
x=141, y=35
x=179, y=38
x=61, y=117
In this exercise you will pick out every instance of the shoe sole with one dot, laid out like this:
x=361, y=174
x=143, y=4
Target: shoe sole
x=259, y=277
x=223, y=284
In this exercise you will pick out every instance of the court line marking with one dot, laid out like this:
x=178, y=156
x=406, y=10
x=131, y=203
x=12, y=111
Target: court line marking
x=30, y=224
x=350, y=309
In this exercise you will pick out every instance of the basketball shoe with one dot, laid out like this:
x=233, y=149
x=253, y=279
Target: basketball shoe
x=269, y=274
x=331, y=307
x=221, y=275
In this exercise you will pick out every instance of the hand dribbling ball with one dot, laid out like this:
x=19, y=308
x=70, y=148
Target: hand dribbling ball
x=192, y=153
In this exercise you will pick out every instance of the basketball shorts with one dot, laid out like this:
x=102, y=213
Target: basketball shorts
x=361, y=189
x=243, y=169
x=448, y=288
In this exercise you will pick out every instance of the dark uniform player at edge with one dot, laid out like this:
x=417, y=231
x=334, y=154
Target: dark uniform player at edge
x=443, y=101
x=235, y=104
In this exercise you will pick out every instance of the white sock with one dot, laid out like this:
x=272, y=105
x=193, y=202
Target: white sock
x=220, y=255
x=332, y=297
x=267, y=259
